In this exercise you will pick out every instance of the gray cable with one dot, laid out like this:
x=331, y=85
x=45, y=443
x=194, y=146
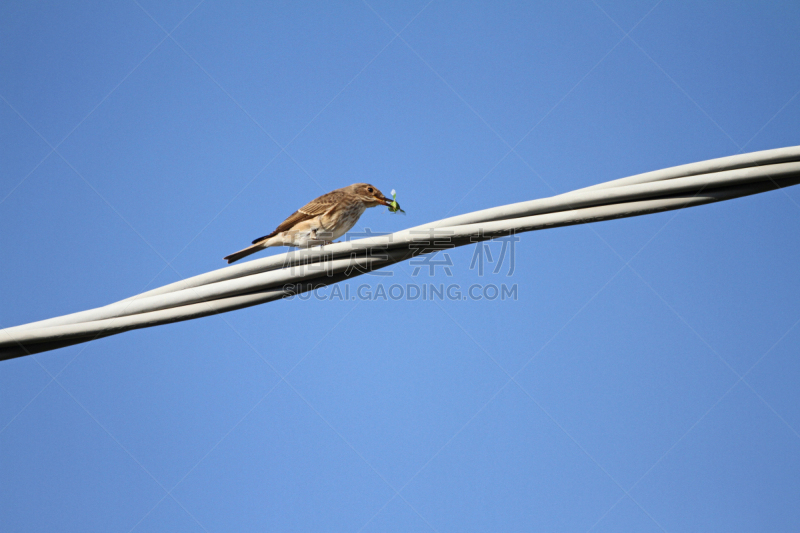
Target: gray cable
x=275, y=277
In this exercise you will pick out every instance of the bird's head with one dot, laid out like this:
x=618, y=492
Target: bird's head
x=368, y=194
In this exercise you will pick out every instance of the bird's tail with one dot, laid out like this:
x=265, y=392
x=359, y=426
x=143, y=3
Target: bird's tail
x=244, y=253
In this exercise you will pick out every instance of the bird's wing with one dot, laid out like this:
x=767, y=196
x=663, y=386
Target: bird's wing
x=321, y=205
x=314, y=208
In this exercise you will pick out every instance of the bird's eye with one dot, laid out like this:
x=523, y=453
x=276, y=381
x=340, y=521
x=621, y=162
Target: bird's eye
x=370, y=189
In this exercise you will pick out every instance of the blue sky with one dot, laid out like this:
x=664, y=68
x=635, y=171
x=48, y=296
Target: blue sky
x=645, y=378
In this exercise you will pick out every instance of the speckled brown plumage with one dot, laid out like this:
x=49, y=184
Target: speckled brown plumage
x=320, y=221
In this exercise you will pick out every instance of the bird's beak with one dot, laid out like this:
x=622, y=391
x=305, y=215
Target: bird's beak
x=382, y=200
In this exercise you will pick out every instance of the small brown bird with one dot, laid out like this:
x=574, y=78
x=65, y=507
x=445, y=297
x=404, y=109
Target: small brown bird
x=320, y=221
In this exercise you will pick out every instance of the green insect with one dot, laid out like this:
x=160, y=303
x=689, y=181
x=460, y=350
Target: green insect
x=394, y=207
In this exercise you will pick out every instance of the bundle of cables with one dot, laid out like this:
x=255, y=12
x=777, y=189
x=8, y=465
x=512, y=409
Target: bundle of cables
x=279, y=276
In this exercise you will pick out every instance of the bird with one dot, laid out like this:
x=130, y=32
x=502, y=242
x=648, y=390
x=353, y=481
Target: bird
x=320, y=221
